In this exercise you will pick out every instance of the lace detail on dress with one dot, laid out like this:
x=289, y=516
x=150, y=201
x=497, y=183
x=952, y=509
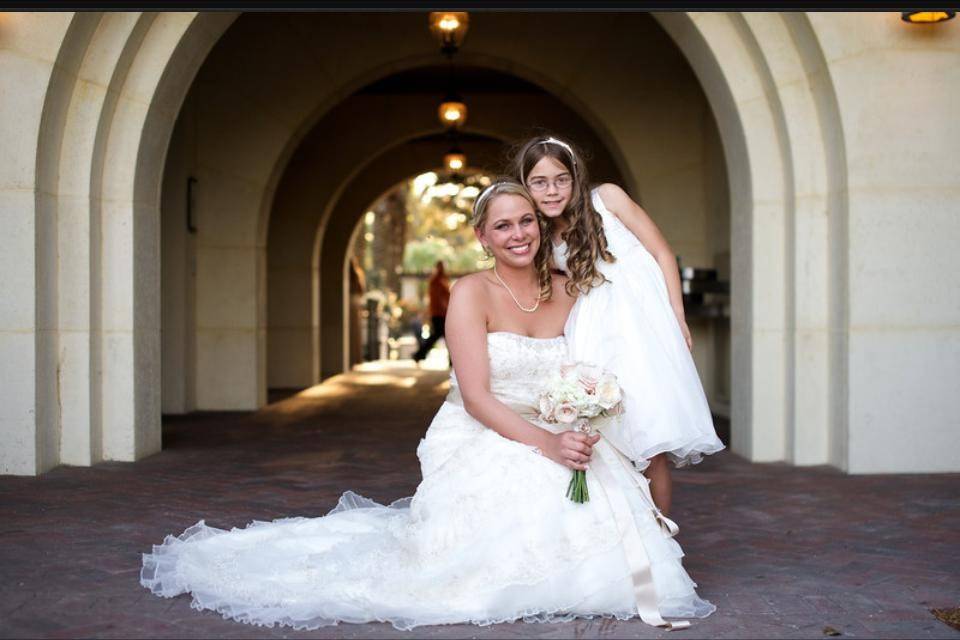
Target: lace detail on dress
x=520, y=364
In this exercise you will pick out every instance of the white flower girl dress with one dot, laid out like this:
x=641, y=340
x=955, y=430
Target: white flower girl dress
x=627, y=326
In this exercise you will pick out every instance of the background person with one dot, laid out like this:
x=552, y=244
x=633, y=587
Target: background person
x=439, y=294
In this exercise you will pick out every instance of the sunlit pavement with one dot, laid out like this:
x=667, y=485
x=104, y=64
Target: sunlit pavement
x=782, y=552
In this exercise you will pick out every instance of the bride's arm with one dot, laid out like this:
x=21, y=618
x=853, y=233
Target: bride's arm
x=636, y=220
x=466, y=338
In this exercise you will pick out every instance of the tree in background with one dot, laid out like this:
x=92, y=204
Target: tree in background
x=407, y=230
x=438, y=224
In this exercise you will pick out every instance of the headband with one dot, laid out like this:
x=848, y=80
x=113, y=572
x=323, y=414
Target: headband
x=559, y=143
x=486, y=193
x=563, y=144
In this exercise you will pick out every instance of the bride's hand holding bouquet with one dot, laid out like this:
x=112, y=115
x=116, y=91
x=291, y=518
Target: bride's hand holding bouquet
x=570, y=449
x=575, y=396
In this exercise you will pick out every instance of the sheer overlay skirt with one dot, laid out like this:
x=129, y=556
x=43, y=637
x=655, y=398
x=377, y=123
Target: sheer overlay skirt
x=489, y=536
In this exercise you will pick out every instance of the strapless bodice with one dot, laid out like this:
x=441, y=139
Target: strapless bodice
x=520, y=365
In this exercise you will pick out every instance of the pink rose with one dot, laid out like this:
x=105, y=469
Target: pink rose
x=566, y=413
x=588, y=375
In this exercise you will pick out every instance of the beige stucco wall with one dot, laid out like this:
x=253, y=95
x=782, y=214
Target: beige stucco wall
x=898, y=91
x=29, y=406
x=179, y=270
x=88, y=192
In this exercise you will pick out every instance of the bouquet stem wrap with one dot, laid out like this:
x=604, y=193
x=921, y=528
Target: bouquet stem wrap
x=577, y=489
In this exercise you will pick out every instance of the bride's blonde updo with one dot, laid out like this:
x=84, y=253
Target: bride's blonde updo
x=506, y=186
x=586, y=242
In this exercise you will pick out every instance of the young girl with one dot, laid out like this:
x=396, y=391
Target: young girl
x=629, y=316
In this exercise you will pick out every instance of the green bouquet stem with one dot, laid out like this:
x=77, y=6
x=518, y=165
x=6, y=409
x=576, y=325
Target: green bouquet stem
x=577, y=490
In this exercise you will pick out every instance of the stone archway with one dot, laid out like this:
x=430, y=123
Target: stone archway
x=106, y=93
x=783, y=141
x=238, y=176
x=334, y=240
x=766, y=81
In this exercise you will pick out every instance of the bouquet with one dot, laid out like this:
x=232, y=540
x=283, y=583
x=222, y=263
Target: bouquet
x=574, y=396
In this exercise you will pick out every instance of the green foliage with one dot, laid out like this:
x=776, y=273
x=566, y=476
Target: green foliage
x=420, y=256
x=437, y=212
x=438, y=223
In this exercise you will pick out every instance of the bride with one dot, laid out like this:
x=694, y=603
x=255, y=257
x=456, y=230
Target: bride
x=489, y=536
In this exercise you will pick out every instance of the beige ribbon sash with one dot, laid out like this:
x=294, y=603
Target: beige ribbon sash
x=606, y=458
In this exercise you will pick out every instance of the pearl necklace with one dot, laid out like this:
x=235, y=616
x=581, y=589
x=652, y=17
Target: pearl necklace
x=515, y=301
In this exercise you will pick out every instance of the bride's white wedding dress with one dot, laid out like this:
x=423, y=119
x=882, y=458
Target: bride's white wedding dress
x=489, y=536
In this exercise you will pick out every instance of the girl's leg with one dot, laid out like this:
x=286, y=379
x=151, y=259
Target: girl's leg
x=661, y=485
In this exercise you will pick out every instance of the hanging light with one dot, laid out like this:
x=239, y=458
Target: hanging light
x=452, y=112
x=455, y=160
x=449, y=27
x=926, y=17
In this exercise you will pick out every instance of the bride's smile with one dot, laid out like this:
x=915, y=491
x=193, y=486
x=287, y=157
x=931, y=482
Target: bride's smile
x=520, y=249
x=511, y=232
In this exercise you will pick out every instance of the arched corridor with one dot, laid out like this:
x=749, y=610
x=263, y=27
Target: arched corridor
x=178, y=195
x=268, y=294
x=759, y=142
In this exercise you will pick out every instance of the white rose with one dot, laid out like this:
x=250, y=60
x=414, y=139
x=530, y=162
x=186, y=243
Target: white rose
x=568, y=373
x=591, y=410
x=566, y=413
x=608, y=392
x=588, y=375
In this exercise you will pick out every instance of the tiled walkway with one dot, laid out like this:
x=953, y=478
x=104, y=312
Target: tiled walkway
x=782, y=552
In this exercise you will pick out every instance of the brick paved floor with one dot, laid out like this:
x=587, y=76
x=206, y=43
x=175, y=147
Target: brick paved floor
x=782, y=552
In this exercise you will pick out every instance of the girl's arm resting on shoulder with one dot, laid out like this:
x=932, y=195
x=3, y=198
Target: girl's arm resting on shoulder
x=466, y=338
x=642, y=226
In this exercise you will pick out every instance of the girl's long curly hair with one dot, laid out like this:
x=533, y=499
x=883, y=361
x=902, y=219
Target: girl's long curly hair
x=508, y=186
x=586, y=241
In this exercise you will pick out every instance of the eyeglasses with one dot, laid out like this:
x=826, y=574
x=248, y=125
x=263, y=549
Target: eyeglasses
x=541, y=184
